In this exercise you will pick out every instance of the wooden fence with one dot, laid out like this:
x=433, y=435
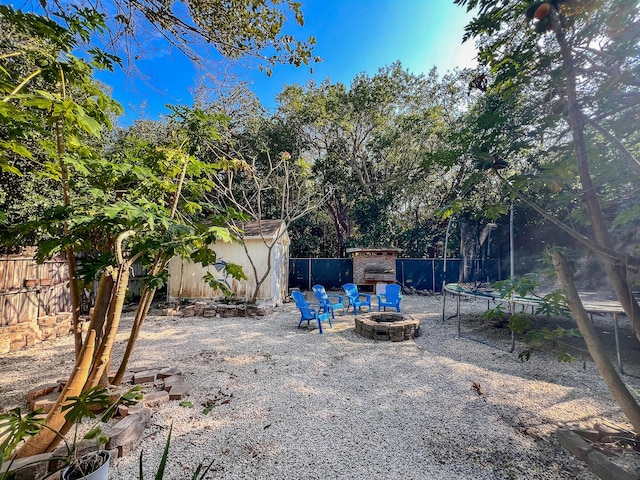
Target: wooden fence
x=29, y=290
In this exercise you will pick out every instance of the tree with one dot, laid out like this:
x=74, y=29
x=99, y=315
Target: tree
x=207, y=32
x=370, y=142
x=263, y=181
x=572, y=106
x=139, y=202
x=586, y=90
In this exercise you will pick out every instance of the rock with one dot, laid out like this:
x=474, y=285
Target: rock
x=607, y=470
x=155, y=399
x=18, y=341
x=125, y=410
x=64, y=317
x=40, y=391
x=607, y=434
x=48, y=333
x=46, y=402
x=189, y=311
x=28, y=468
x=63, y=328
x=169, y=372
x=171, y=381
x=5, y=344
x=208, y=312
x=127, y=433
x=227, y=311
x=199, y=307
x=573, y=442
x=146, y=376
x=178, y=391
x=263, y=310
x=139, y=369
x=47, y=321
x=589, y=434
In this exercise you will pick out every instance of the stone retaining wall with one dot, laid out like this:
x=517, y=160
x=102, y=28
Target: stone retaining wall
x=25, y=334
x=221, y=310
x=581, y=443
x=28, y=333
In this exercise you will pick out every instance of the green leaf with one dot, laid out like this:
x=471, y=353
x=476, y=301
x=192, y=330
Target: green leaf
x=37, y=102
x=525, y=355
x=235, y=271
x=217, y=284
x=82, y=406
x=14, y=427
x=565, y=357
x=102, y=440
x=165, y=455
x=520, y=322
x=8, y=168
x=494, y=314
x=89, y=125
x=93, y=433
x=627, y=216
x=223, y=234
x=206, y=256
x=16, y=148
x=186, y=404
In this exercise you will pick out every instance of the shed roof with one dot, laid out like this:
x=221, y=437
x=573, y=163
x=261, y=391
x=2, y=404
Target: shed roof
x=257, y=228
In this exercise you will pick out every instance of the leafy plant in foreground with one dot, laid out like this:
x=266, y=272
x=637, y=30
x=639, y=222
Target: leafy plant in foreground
x=198, y=474
x=15, y=427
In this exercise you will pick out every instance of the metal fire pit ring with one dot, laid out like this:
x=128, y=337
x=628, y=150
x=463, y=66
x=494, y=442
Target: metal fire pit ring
x=385, y=326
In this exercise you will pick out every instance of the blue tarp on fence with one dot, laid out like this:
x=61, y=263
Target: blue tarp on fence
x=330, y=272
x=419, y=273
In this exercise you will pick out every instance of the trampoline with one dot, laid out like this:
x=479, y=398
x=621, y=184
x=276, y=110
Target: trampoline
x=592, y=304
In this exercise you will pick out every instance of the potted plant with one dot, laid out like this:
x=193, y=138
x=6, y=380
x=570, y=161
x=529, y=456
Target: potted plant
x=92, y=466
x=93, y=404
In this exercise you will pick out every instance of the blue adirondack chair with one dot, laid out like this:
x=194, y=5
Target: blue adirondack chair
x=351, y=291
x=329, y=302
x=390, y=298
x=307, y=313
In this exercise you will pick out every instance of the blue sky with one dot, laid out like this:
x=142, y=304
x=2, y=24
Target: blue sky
x=353, y=36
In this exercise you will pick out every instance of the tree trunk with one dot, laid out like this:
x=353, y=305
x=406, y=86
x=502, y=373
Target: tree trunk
x=47, y=438
x=74, y=291
x=340, y=224
x=98, y=374
x=615, y=271
x=103, y=353
x=618, y=389
x=468, y=248
x=101, y=308
x=146, y=298
x=71, y=259
x=141, y=313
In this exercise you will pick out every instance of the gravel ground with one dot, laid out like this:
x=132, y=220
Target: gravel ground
x=293, y=404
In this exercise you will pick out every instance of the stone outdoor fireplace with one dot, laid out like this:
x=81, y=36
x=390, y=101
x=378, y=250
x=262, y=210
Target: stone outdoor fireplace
x=395, y=327
x=373, y=268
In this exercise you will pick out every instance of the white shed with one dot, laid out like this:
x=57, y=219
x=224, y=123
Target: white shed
x=185, y=277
